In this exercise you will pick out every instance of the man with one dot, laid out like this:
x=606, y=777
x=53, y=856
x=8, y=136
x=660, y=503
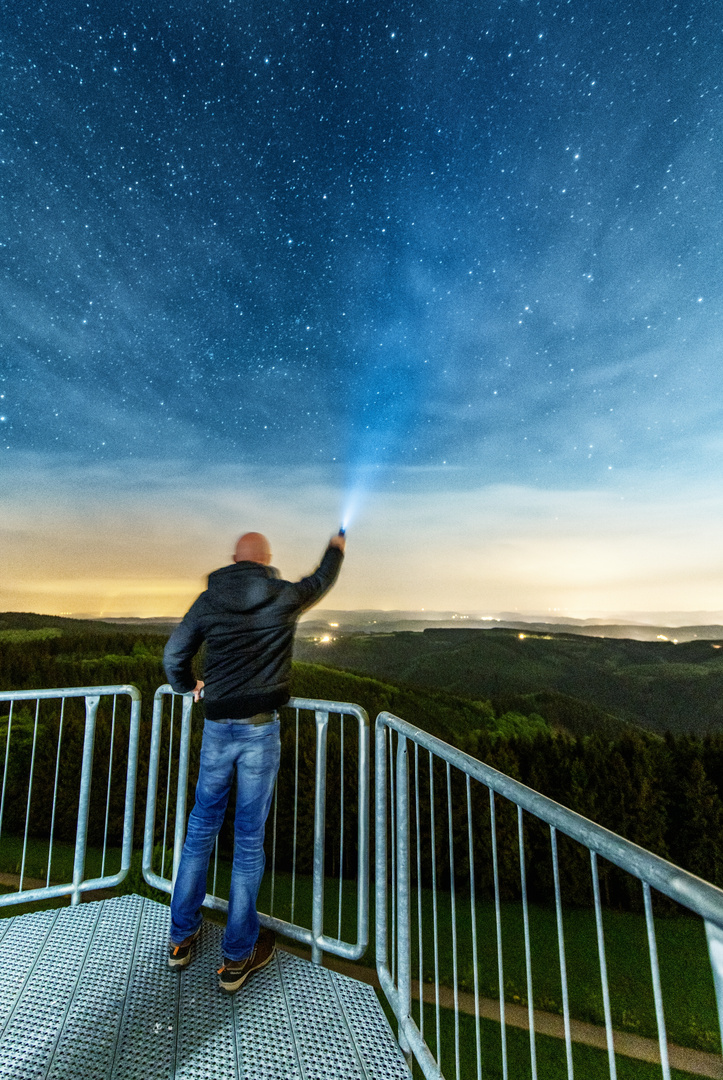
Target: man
x=247, y=618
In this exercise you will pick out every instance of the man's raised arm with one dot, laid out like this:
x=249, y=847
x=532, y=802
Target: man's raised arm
x=311, y=589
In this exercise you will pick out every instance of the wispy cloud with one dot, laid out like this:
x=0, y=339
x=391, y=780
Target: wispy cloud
x=95, y=539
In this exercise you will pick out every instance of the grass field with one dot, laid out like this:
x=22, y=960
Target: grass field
x=588, y=1063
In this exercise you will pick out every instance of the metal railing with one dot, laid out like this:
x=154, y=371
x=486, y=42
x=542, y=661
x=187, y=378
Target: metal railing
x=171, y=756
x=432, y=792
x=448, y=829
x=48, y=750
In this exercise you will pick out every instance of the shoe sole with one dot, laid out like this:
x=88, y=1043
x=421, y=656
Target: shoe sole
x=186, y=960
x=231, y=988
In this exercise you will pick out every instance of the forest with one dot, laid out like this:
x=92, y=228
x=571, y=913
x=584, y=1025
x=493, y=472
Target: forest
x=662, y=791
x=657, y=685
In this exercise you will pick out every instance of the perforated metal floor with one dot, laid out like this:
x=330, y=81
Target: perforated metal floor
x=86, y=994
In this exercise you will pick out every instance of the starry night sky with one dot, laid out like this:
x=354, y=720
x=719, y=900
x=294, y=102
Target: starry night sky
x=467, y=256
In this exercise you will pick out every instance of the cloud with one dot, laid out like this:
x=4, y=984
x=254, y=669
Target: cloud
x=105, y=539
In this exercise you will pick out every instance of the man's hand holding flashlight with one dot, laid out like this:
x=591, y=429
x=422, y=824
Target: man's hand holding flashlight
x=338, y=540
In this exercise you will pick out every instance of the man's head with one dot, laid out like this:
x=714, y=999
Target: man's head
x=253, y=547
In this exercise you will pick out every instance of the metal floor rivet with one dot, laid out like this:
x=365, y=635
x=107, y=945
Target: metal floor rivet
x=86, y=993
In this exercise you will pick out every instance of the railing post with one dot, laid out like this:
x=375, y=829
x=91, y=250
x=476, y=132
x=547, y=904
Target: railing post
x=317, y=903
x=152, y=789
x=81, y=834
x=380, y=864
x=179, y=833
x=363, y=835
x=404, y=957
x=131, y=780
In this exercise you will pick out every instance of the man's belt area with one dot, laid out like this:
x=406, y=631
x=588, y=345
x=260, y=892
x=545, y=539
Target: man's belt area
x=256, y=720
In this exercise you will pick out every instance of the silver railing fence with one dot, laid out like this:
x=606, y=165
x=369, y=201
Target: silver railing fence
x=432, y=858
x=62, y=753
x=318, y=739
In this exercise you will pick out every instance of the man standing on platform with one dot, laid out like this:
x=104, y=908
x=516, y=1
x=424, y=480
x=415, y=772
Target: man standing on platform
x=247, y=618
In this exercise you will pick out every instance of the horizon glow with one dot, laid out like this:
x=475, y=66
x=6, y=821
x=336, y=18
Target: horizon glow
x=474, y=549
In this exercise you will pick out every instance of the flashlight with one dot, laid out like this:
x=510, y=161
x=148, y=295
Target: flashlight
x=342, y=531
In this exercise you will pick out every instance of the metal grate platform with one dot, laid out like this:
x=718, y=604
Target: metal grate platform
x=86, y=992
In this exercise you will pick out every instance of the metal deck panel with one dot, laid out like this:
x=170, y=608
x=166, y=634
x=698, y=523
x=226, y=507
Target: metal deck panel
x=86, y=993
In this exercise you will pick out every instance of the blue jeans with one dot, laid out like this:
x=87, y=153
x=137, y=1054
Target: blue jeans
x=252, y=752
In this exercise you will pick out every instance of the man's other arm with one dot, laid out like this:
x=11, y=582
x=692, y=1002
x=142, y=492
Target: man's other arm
x=181, y=647
x=311, y=589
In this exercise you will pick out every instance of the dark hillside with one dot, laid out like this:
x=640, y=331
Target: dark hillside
x=580, y=684
x=29, y=620
x=45, y=657
x=657, y=685
x=444, y=715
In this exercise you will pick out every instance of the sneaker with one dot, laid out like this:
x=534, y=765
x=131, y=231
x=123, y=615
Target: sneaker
x=180, y=955
x=234, y=973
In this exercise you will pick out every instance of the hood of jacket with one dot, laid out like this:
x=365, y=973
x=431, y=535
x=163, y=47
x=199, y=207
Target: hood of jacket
x=242, y=587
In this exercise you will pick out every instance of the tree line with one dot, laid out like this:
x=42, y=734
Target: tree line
x=664, y=794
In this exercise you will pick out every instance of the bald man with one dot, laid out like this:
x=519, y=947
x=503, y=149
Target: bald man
x=246, y=617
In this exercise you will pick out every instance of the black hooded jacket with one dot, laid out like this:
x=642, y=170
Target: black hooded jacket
x=247, y=618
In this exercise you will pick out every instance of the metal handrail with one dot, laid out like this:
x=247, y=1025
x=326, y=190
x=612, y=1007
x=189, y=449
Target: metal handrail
x=397, y=807
x=92, y=696
x=312, y=936
x=394, y=965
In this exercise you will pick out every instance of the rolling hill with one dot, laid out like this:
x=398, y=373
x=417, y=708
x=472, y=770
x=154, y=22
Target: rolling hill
x=658, y=685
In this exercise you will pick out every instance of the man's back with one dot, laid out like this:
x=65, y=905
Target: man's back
x=247, y=618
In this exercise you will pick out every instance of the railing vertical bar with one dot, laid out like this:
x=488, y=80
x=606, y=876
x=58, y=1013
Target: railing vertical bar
x=30, y=791
x=341, y=820
x=134, y=725
x=437, y=1015
x=657, y=989
x=107, y=792
x=154, y=763
x=184, y=748
x=453, y=909
x=561, y=950
x=296, y=818
x=419, y=890
x=362, y=812
x=404, y=966
x=215, y=866
x=473, y=919
x=168, y=781
x=5, y=766
x=498, y=925
x=86, y=776
x=392, y=819
x=381, y=945
x=603, y=967
x=55, y=791
x=528, y=951
x=321, y=717
x=273, y=846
